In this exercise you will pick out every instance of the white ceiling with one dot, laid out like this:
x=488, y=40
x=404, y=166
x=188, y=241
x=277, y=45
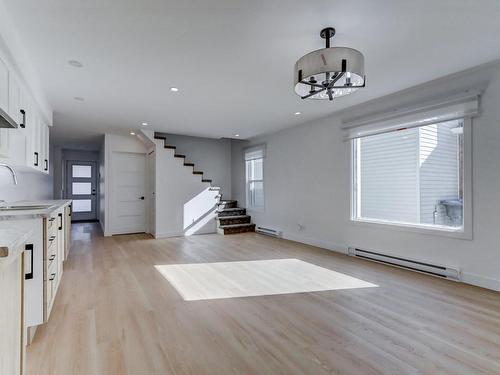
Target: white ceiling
x=232, y=59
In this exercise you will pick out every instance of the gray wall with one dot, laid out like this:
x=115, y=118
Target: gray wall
x=212, y=156
x=307, y=181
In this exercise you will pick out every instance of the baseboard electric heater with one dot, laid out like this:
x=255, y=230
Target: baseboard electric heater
x=268, y=232
x=409, y=264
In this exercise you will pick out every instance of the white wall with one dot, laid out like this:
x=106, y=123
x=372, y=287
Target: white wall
x=212, y=156
x=31, y=185
x=184, y=204
x=307, y=181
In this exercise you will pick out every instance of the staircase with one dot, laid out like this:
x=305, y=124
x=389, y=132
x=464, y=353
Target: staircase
x=233, y=219
x=186, y=164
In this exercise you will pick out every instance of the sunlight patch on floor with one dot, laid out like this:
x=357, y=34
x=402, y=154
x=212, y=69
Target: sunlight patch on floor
x=201, y=281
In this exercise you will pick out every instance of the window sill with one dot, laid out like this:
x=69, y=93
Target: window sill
x=461, y=233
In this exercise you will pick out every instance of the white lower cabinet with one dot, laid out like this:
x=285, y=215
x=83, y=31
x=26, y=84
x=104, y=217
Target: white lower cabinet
x=12, y=345
x=43, y=259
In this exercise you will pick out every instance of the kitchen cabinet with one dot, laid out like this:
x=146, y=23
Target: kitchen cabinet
x=4, y=86
x=12, y=338
x=45, y=253
x=27, y=146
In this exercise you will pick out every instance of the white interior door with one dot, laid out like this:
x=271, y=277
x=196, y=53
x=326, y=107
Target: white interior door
x=128, y=193
x=81, y=186
x=151, y=192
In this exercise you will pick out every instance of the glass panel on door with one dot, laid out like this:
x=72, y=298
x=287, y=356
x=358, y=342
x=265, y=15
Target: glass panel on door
x=81, y=187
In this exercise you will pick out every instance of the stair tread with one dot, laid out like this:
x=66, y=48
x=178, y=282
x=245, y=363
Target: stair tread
x=226, y=201
x=233, y=217
x=231, y=209
x=205, y=180
x=236, y=225
x=179, y=156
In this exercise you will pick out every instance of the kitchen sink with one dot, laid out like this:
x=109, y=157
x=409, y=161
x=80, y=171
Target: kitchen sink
x=24, y=207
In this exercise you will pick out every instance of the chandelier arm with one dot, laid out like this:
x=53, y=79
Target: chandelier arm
x=339, y=76
x=313, y=93
x=312, y=84
x=348, y=87
x=330, y=95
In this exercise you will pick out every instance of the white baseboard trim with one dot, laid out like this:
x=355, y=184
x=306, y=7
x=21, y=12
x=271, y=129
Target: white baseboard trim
x=466, y=278
x=482, y=281
x=315, y=242
x=179, y=234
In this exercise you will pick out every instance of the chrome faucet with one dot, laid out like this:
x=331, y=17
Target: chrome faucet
x=12, y=171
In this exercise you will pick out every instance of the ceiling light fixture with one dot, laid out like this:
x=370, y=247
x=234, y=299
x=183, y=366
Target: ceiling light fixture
x=297, y=113
x=144, y=124
x=236, y=135
x=75, y=63
x=329, y=72
x=79, y=98
x=132, y=133
x=174, y=89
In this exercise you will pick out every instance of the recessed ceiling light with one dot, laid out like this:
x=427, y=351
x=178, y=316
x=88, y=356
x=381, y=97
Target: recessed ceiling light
x=236, y=135
x=174, y=89
x=144, y=124
x=75, y=63
x=79, y=98
x=297, y=113
x=132, y=133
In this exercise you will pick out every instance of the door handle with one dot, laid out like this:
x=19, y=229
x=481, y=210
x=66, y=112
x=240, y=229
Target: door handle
x=141, y=198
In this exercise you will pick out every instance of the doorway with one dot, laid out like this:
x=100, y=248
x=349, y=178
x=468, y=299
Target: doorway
x=127, y=196
x=81, y=185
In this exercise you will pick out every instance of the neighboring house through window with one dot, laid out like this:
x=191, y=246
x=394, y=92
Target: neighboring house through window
x=414, y=171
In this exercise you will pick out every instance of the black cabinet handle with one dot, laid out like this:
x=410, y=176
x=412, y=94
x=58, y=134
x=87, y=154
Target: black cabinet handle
x=23, y=123
x=141, y=198
x=29, y=275
x=36, y=159
x=46, y=168
x=52, y=277
x=61, y=222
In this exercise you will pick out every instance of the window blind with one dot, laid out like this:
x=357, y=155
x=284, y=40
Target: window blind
x=255, y=152
x=464, y=105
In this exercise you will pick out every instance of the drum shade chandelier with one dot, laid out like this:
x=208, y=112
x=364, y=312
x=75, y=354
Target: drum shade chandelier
x=329, y=72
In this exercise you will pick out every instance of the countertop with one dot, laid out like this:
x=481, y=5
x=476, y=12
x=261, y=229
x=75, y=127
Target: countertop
x=52, y=205
x=11, y=241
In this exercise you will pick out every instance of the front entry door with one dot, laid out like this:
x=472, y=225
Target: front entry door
x=81, y=184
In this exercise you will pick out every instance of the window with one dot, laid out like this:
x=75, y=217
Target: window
x=254, y=165
x=412, y=176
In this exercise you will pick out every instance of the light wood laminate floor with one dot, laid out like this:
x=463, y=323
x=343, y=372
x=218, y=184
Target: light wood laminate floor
x=117, y=314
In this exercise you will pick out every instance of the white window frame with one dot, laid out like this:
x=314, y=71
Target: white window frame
x=260, y=149
x=465, y=232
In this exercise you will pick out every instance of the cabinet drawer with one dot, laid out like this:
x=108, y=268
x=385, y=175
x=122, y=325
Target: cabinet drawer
x=51, y=223
x=50, y=266
x=51, y=246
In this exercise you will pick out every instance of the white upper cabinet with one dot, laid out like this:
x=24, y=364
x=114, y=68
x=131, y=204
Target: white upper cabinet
x=27, y=146
x=4, y=86
x=14, y=99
